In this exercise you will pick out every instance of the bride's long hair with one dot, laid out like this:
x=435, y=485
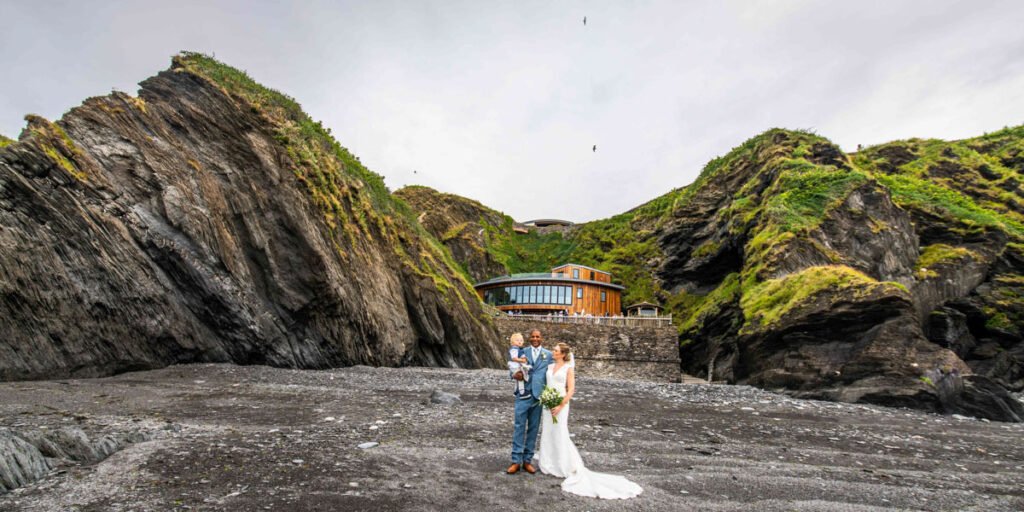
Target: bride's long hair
x=566, y=351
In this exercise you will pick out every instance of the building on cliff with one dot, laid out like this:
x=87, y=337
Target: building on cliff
x=575, y=289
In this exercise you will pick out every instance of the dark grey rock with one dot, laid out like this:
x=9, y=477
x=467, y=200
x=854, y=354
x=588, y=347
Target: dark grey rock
x=20, y=462
x=947, y=328
x=444, y=398
x=188, y=237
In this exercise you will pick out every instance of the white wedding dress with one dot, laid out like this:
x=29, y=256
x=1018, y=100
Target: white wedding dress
x=559, y=456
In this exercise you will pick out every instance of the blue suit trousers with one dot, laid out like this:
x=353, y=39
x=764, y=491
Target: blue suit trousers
x=527, y=424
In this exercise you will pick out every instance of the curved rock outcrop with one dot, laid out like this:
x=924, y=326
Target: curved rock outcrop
x=209, y=219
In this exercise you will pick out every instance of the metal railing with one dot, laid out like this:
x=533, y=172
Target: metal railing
x=626, y=321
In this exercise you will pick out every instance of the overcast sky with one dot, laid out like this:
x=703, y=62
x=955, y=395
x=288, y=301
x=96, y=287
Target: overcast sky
x=503, y=101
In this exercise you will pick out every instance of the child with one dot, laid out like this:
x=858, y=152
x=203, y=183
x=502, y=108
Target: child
x=517, y=361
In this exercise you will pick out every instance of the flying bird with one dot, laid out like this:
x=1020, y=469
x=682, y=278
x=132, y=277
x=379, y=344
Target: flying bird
x=584, y=21
x=595, y=148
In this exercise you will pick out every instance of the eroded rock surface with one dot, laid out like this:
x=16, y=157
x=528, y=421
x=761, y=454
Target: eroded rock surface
x=209, y=219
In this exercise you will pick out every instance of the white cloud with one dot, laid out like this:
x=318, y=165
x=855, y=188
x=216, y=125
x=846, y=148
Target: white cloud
x=502, y=102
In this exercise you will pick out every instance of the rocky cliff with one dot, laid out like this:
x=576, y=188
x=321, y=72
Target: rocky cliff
x=210, y=219
x=791, y=265
x=806, y=270
x=464, y=226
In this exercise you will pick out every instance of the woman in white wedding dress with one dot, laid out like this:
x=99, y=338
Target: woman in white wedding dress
x=558, y=454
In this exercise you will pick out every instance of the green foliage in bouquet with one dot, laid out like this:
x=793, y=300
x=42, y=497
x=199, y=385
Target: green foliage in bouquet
x=551, y=398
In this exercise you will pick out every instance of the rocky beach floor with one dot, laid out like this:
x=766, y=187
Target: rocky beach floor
x=256, y=438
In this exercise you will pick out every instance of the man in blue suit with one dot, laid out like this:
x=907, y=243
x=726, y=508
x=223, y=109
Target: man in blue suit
x=528, y=408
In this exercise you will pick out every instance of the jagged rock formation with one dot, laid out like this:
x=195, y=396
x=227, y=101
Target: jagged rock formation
x=210, y=219
x=464, y=226
x=28, y=455
x=791, y=265
x=812, y=272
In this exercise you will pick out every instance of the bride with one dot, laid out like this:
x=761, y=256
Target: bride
x=558, y=454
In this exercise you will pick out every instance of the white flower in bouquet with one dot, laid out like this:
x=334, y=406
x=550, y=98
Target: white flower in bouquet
x=551, y=398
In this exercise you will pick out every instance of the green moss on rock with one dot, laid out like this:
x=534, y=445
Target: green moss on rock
x=698, y=311
x=56, y=145
x=766, y=304
x=976, y=182
x=917, y=193
x=939, y=254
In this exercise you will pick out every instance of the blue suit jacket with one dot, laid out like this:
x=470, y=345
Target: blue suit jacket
x=538, y=373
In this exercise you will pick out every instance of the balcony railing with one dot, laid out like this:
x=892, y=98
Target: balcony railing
x=627, y=321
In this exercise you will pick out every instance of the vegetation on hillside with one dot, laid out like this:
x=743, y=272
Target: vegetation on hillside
x=974, y=183
x=352, y=199
x=4, y=141
x=55, y=143
x=765, y=304
x=792, y=181
x=939, y=254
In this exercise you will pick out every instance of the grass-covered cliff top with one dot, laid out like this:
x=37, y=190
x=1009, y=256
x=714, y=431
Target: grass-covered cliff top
x=4, y=141
x=309, y=144
x=429, y=195
x=789, y=181
x=977, y=183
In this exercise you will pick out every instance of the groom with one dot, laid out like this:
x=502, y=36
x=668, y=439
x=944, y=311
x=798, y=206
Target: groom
x=528, y=407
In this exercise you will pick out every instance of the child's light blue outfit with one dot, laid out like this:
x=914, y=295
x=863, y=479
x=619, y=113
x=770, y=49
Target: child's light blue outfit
x=515, y=366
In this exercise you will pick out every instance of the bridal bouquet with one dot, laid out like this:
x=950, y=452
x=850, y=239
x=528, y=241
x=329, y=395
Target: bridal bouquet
x=551, y=398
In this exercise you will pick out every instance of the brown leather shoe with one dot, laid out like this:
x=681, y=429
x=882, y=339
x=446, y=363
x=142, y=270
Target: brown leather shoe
x=529, y=468
x=513, y=469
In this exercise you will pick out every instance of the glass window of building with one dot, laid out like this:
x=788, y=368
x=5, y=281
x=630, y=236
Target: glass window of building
x=604, y=296
x=575, y=273
x=579, y=292
x=591, y=275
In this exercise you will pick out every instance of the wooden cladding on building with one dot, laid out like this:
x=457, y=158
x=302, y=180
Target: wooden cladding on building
x=573, y=271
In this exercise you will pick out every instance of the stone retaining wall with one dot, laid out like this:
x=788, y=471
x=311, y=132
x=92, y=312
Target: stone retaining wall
x=637, y=353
